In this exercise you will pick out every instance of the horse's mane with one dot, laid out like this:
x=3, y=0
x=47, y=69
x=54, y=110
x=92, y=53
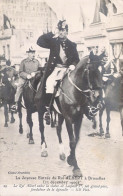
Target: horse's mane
x=83, y=62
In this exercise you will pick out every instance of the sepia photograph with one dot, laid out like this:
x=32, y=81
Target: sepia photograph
x=61, y=97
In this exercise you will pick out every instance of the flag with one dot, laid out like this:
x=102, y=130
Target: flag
x=114, y=8
x=104, y=4
x=6, y=22
x=103, y=8
x=96, y=13
x=82, y=18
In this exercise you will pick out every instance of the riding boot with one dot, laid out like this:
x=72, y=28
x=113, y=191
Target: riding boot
x=47, y=113
x=54, y=94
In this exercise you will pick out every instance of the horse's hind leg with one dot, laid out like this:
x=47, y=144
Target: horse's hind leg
x=100, y=121
x=44, y=152
x=20, y=118
x=30, y=123
x=12, y=117
x=58, y=129
x=72, y=157
x=6, y=115
x=121, y=117
x=107, y=135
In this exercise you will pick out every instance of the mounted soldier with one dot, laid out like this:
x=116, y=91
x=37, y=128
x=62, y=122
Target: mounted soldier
x=28, y=69
x=63, y=56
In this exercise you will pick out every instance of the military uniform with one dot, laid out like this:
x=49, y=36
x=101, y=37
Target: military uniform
x=62, y=53
x=48, y=41
x=27, y=66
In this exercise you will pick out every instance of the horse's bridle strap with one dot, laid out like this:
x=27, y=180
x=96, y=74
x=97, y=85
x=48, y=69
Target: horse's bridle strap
x=84, y=91
x=31, y=87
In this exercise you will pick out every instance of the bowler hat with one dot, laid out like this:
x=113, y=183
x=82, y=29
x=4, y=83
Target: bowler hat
x=62, y=25
x=30, y=50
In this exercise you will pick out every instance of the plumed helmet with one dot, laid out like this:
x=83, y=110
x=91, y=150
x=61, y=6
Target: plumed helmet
x=62, y=25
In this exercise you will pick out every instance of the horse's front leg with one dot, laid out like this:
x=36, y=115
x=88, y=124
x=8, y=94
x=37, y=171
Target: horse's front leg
x=6, y=114
x=20, y=118
x=100, y=121
x=59, y=129
x=107, y=135
x=12, y=117
x=121, y=117
x=44, y=152
x=71, y=159
x=30, y=123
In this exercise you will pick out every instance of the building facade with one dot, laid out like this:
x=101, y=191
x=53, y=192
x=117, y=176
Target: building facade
x=28, y=20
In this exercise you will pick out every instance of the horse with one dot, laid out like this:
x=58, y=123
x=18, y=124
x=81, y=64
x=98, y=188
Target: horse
x=112, y=102
x=7, y=94
x=29, y=92
x=79, y=90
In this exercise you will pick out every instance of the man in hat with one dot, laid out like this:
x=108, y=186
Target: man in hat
x=63, y=56
x=27, y=70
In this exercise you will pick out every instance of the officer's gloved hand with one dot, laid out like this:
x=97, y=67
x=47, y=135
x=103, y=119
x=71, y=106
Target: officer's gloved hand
x=71, y=67
x=33, y=74
x=29, y=76
x=9, y=79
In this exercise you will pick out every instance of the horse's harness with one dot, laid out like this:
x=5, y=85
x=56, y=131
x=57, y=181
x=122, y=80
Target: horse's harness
x=31, y=87
x=80, y=90
x=92, y=110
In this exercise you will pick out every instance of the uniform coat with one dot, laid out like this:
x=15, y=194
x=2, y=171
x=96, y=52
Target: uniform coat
x=48, y=41
x=28, y=66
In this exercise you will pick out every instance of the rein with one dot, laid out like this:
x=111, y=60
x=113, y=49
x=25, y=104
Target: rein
x=31, y=87
x=82, y=91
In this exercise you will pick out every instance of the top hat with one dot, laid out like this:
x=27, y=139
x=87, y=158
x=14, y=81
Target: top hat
x=62, y=25
x=30, y=50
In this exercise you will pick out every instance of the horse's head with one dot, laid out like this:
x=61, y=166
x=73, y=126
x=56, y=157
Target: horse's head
x=91, y=79
x=34, y=81
x=4, y=77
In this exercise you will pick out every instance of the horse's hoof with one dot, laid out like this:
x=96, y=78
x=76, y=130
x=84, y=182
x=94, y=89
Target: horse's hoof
x=31, y=141
x=21, y=131
x=27, y=135
x=5, y=125
x=70, y=161
x=44, y=153
x=107, y=135
x=77, y=173
x=12, y=121
x=62, y=157
x=101, y=132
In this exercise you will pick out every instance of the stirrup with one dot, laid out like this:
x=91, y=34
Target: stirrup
x=14, y=108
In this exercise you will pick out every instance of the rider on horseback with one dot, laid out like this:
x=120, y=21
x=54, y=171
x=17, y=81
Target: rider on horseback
x=28, y=69
x=63, y=55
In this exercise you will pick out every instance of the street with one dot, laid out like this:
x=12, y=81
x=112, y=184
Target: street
x=97, y=157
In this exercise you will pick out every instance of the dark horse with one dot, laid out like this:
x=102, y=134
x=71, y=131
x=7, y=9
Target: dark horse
x=79, y=89
x=29, y=92
x=7, y=94
x=113, y=101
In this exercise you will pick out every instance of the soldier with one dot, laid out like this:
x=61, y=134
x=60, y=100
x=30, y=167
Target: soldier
x=63, y=56
x=28, y=69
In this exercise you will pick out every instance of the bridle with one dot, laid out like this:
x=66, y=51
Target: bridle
x=80, y=90
x=31, y=87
